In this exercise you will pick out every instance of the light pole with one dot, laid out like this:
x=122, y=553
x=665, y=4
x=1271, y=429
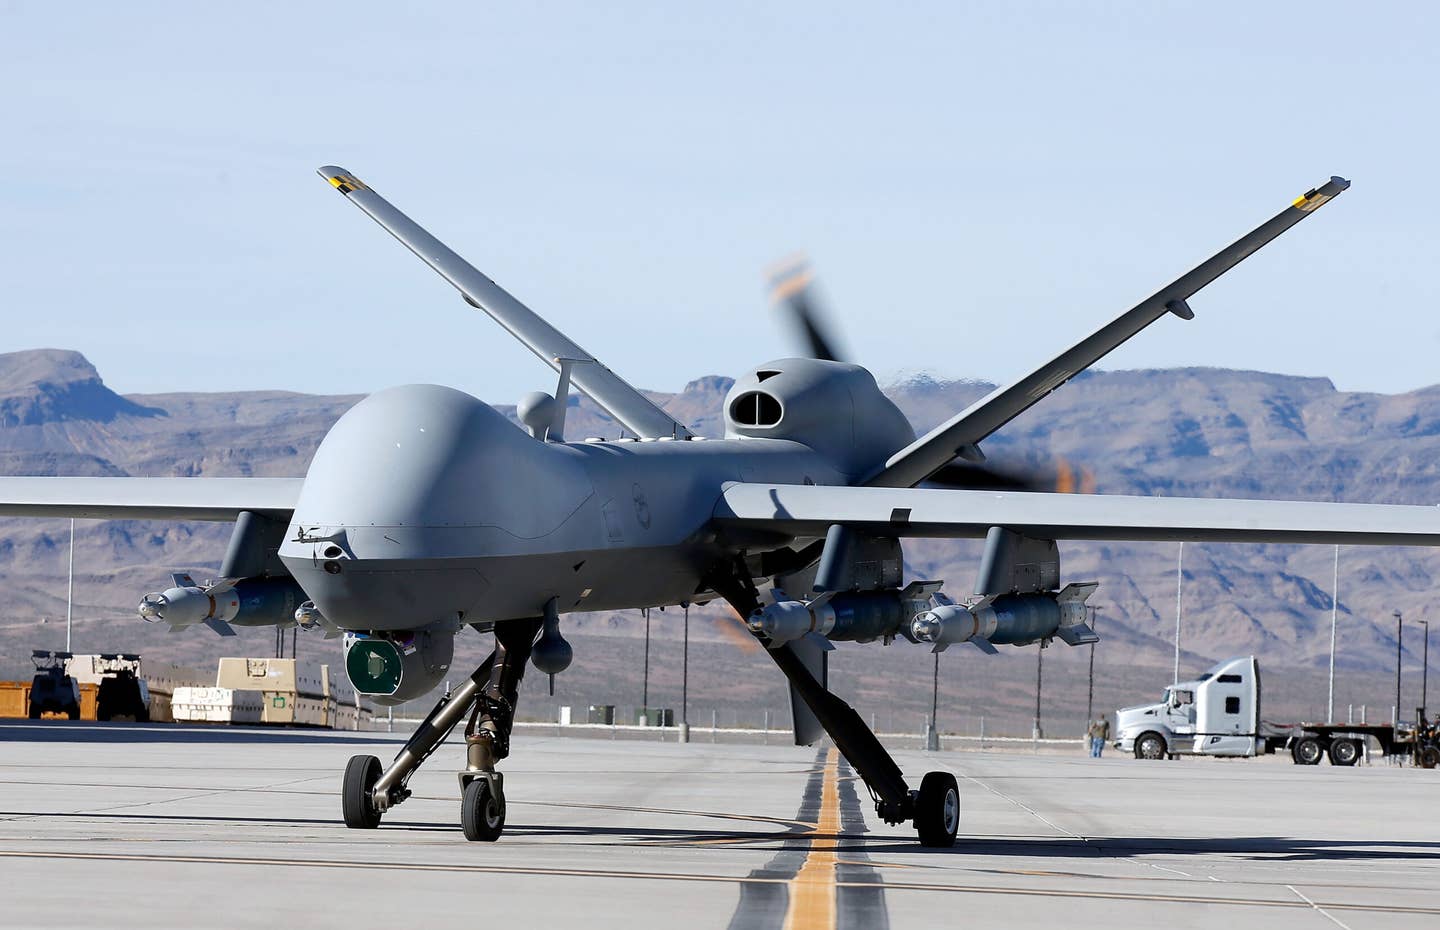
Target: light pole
x=1179, y=588
x=1039, y=670
x=932, y=734
x=685, y=671
x=1399, y=650
x=1090, y=696
x=1334, y=609
x=70, y=588
x=1425, y=665
x=645, y=678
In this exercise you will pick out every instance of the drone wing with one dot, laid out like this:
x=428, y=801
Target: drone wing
x=633, y=409
x=211, y=499
x=809, y=511
x=935, y=449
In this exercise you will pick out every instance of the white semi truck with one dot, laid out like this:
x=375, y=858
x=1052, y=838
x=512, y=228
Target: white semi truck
x=1218, y=714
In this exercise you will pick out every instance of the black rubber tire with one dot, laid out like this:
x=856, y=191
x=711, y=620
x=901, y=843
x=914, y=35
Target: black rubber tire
x=1307, y=751
x=72, y=712
x=1150, y=745
x=1430, y=757
x=937, y=810
x=482, y=814
x=1344, y=752
x=361, y=774
x=34, y=712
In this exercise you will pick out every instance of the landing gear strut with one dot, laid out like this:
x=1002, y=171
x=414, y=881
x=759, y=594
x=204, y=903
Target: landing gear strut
x=934, y=809
x=488, y=696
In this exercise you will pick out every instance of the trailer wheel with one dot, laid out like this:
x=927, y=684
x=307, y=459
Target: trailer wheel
x=1150, y=745
x=1307, y=751
x=1430, y=757
x=1344, y=752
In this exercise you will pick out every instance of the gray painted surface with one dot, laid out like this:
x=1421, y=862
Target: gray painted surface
x=958, y=514
x=220, y=499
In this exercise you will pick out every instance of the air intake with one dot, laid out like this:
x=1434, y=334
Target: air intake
x=756, y=408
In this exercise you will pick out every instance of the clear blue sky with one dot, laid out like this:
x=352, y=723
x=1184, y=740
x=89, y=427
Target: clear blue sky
x=978, y=184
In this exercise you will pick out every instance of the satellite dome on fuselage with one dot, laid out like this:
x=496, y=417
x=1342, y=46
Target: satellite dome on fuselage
x=835, y=408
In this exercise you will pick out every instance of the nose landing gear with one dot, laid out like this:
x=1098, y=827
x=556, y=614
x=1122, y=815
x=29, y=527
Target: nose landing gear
x=489, y=696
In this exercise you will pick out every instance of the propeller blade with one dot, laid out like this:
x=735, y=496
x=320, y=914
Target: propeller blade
x=734, y=630
x=1061, y=478
x=791, y=286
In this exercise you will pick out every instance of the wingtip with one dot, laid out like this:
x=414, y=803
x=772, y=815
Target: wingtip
x=1316, y=196
x=340, y=179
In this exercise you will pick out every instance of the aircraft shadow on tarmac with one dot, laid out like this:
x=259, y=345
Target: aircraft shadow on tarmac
x=65, y=731
x=1274, y=848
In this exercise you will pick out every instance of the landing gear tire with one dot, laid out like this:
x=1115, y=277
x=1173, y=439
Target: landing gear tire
x=937, y=810
x=1429, y=757
x=482, y=812
x=1150, y=746
x=361, y=773
x=1344, y=752
x=1307, y=751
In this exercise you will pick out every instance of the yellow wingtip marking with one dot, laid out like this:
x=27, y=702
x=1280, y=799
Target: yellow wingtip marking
x=345, y=183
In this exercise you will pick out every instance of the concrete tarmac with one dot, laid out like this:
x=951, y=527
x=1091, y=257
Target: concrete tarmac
x=168, y=826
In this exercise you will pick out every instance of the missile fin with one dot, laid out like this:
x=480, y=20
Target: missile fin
x=1077, y=591
x=219, y=626
x=823, y=644
x=1078, y=635
x=183, y=580
x=984, y=645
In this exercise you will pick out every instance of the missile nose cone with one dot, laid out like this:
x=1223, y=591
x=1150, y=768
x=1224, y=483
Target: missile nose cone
x=152, y=607
x=925, y=626
x=177, y=606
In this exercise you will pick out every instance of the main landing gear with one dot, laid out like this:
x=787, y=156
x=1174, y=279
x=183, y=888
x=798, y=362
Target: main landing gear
x=934, y=809
x=488, y=696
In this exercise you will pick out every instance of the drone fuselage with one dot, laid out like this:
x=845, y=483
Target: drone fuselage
x=423, y=504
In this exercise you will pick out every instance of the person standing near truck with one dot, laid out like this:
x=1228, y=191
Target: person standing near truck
x=1099, y=733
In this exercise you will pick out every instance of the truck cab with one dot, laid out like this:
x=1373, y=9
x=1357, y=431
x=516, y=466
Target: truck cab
x=1216, y=714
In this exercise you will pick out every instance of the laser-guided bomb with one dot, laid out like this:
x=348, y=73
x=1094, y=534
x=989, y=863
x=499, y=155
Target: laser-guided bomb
x=219, y=605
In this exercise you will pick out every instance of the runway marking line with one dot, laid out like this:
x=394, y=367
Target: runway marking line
x=811, y=904
x=1323, y=913
x=693, y=877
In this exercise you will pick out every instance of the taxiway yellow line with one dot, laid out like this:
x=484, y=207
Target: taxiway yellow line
x=812, y=890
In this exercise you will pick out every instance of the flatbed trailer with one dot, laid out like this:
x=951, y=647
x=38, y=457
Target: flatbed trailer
x=1218, y=714
x=1345, y=743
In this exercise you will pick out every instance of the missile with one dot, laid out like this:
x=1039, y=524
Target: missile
x=244, y=602
x=858, y=616
x=1017, y=619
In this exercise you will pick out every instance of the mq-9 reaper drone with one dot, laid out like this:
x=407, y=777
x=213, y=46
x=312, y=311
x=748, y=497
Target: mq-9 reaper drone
x=424, y=511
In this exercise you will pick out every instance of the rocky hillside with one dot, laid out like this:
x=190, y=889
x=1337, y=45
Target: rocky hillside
x=1194, y=432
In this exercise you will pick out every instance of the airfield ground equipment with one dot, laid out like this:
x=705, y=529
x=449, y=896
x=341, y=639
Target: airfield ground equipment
x=123, y=694
x=52, y=690
x=425, y=511
x=1219, y=714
